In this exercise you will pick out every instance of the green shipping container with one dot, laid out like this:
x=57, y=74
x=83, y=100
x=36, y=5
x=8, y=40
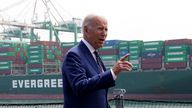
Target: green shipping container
x=109, y=47
x=152, y=49
x=176, y=59
x=35, y=71
x=5, y=67
x=67, y=44
x=7, y=53
x=123, y=43
x=176, y=48
x=123, y=48
x=133, y=57
x=109, y=57
x=34, y=61
x=5, y=63
x=134, y=52
x=135, y=42
x=175, y=53
x=135, y=47
x=135, y=66
x=152, y=43
x=50, y=56
x=39, y=56
x=35, y=47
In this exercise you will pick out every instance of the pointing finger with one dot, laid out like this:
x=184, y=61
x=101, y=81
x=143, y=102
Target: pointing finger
x=124, y=57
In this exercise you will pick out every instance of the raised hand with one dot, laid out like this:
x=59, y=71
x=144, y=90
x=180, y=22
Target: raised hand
x=122, y=65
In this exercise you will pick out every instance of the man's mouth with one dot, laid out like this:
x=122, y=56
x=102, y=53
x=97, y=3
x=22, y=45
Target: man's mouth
x=101, y=40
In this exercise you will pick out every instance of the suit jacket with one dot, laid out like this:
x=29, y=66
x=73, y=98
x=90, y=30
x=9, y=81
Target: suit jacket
x=84, y=86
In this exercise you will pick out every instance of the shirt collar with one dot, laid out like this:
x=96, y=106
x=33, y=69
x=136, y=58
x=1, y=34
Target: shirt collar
x=91, y=49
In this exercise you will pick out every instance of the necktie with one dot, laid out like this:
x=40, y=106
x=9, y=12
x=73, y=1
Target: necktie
x=98, y=59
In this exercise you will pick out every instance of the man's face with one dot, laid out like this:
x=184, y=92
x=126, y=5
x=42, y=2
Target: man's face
x=97, y=32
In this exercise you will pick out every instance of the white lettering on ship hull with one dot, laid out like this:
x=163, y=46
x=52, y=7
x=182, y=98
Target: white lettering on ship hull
x=39, y=83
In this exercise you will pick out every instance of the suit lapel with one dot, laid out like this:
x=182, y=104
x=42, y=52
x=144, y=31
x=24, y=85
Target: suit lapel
x=86, y=52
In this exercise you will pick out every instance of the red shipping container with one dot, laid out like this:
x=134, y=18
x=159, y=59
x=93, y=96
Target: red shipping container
x=149, y=66
x=190, y=58
x=175, y=65
x=7, y=58
x=20, y=62
x=7, y=49
x=109, y=52
x=5, y=72
x=35, y=65
x=46, y=43
x=151, y=60
x=178, y=42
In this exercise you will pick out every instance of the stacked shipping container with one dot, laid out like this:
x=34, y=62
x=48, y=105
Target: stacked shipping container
x=176, y=53
x=65, y=46
x=190, y=56
x=135, y=51
x=44, y=57
x=123, y=49
x=151, y=56
x=12, y=58
x=109, y=53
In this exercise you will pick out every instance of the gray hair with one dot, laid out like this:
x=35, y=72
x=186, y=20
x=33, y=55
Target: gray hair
x=88, y=20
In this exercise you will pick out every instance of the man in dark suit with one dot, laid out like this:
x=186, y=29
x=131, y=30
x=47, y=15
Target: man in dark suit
x=85, y=78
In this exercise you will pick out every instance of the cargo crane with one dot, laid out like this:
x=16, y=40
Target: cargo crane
x=20, y=30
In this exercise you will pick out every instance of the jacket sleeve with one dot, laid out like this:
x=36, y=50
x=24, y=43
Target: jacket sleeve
x=75, y=71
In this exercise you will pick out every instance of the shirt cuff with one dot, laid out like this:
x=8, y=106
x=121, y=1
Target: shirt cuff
x=113, y=74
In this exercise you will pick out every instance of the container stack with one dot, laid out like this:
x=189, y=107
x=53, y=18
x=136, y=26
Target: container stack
x=123, y=48
x=65, y=46
x=109, y=53
x=58, y=55
x=45, y=57
x=19, y=65
x=135, y=50
x=41, y=58
x=151, y=56
x=190, y=55
x=54, y=67
x=176, y=53
x=7, y=56
x=12, y=59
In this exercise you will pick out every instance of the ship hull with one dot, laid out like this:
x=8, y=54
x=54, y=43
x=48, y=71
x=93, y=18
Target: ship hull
x=148, y=85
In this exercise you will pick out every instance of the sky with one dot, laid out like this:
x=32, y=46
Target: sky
x=147, y=20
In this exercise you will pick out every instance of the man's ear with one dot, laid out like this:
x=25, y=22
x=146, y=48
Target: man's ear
x=85, y=29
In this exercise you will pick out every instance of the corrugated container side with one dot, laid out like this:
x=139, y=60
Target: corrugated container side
x=151, y=60
x=177, y=42
x=67, y=44
x=135, y=42
x=109, y=57
x=175, y=65
x=152, y=43
x=176, y=59
x=152, y=49
x=151, y=55
x=149, y=66
x=175, y=53
x=109, y=52
x=176, y=48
